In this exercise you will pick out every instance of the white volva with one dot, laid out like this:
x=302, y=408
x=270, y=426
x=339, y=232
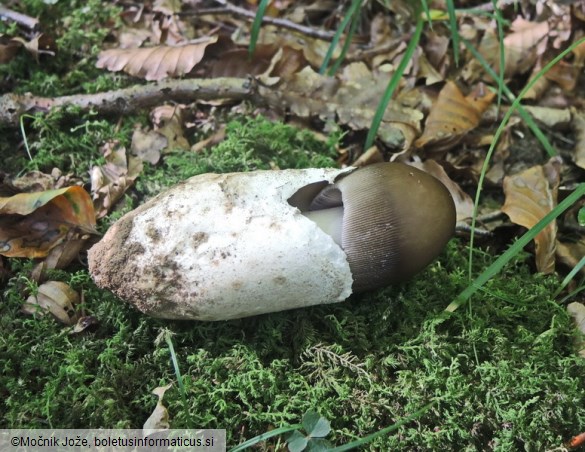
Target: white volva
x=223, y=246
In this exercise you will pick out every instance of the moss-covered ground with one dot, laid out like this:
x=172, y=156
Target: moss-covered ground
x=502, y=371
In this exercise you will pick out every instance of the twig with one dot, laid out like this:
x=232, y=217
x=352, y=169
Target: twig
x=128, y=100
x=26, y=21
x=228, y=8
x=463, y=227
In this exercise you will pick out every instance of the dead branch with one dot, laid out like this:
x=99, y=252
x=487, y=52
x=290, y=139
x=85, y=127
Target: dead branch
x=228, y=8
x=128, y=100
x=26, y=21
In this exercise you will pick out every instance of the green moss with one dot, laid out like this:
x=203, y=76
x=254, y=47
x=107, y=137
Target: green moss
x=504, y=371
x=77, y=42
x=64, y=139
x=250, y=144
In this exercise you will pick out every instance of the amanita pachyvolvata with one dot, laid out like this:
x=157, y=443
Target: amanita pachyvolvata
x=224, y=246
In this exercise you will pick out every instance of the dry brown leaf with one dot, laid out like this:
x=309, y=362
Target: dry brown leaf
x=428, y=72
x=168, y=121
x=237, y=62
x=565, y=75
x=37, y=181
x=33, y=181
x=110, y=181
x=159, y=419
x=527, y=41
x=32, y=224
x=567, y=71
x=557, y=118
x=350, y=99
x=154, y=63
x=371, y=156
x=530, y=195
x=452, y=116
x=313, y=50
x=148, y=145
x=40, y=45
x=436, y=47
x=8, y=49
x=59, y=257
x=56, y=298
x=570, y=253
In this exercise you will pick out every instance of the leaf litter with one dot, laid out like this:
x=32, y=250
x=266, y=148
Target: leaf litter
x=438, y=119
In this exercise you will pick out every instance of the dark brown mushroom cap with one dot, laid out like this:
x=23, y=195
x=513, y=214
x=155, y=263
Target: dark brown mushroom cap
x=396, y=220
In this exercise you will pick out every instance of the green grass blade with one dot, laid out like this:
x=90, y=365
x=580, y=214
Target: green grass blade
x=256, y=26
x=23, y=132
x=576, y=269
x=393, y=83
x=454, y=30
x=425, y=7
x=493, y=269
x=335, y=41
x=347, y=43
x=574, y=293
x=169, y=341
x=497, y=135
x=264, y=436
x=385, y=431
x=523, y=113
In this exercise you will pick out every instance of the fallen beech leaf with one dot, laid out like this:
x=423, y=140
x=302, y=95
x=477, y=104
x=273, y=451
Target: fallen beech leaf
x=110, y=181
x=555, y=118
x=570, y=253
x=54, y=297
x=521, y=47
x=527, y=41
x=169, y=123
x=34, y=181
x=41, y=44
x=452, y=116
x=352, y=99
x=147, y=145
x=372, y=155
x=8, y=49
x=577, y=311
x=564, y=74
x=237, y=62
x=31, y=224
x=59, y=257
x=530, y=195
x=159, y=419
x=154, y=63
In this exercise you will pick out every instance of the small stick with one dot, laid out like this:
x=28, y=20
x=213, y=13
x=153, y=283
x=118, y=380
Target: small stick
x=228, y=8
x=127, y=100
x=22, y=19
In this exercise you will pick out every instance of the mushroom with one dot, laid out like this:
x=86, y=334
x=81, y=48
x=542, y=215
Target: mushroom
x=225, y=246
x=391, y=220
